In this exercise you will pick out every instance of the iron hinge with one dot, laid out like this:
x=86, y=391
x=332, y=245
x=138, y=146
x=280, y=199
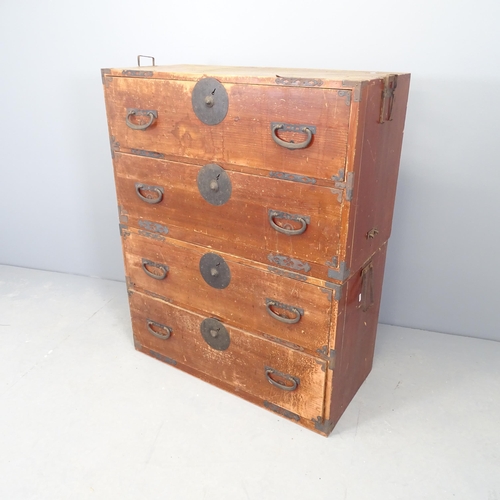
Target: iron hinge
x=387, y=101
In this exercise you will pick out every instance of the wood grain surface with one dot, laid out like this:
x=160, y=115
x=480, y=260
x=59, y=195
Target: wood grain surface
x=242, y=302
x=241, y=226
x=244, y=136
x=243, y=364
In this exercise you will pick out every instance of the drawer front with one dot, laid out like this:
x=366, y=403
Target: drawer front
x=245, y=135
x=289, y=310
x=247, y=362
x=261, y=216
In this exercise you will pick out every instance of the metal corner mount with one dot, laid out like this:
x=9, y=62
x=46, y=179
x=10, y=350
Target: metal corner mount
x=339, y=274
x=356, y=89
x=104, y=72
x=322, y=425
x=337, y=289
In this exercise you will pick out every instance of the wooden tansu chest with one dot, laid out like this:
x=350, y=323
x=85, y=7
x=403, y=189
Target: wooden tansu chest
x=255, y=206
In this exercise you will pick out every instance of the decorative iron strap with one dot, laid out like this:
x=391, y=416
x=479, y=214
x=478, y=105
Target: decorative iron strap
x=298, y=82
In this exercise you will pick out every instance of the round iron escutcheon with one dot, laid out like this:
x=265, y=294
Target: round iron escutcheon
x=214, y=184
x=210, y=101
x=215, y=334
x=215, y=270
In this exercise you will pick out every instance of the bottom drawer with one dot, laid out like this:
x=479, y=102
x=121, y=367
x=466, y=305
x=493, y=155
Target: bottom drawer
x=290, y=379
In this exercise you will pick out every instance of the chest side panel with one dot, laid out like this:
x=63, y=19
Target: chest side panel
x=378, y=156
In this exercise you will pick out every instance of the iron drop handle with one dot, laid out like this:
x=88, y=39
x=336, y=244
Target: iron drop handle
x=165, y=328
x=163, y=269
x=284, y=387
x=295, y=310
x=144, y=187
x=291, y=145
x=133, y=112
x=290, y=232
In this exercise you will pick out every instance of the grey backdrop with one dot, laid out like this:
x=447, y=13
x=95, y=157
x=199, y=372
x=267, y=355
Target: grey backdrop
x=57, y=203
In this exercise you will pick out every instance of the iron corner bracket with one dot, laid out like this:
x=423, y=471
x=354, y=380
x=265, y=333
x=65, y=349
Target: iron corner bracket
x=339, y=274
x=322, y=425
x=356, y=89
x=337, y=289
x=104, y=72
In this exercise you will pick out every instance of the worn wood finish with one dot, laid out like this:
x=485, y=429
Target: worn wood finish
x=376, y=163
x=345, y=181
x=241, y=225
x=243, y=364
x=301, y=77
x=354, y=342
x=235, y=390
x=244, y=136
x=243, y=302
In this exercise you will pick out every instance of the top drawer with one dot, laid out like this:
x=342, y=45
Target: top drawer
x=245, y=136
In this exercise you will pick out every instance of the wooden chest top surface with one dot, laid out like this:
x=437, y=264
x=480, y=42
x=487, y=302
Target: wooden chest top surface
x=255, y=75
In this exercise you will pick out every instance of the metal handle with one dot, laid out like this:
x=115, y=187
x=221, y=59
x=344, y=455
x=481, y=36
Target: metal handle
x=163, y=267
x=290, y=378
x=290, y=232
x=133, y=112
x=165, y=328
x=295, y=310
x=157, y=189
x=291, y=145
x=148, y=57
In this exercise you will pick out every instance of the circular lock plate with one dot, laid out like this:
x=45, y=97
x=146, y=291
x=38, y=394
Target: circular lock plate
x=210, y=101
x=215, y=271
x=215, y=334
x=214, y=184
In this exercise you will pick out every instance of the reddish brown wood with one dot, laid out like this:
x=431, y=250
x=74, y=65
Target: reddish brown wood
x=354, y=342
x=243, y=364
x=376, y=164
x=240, y=226
x=244, y=137
x=243, y=302
x=345, y=180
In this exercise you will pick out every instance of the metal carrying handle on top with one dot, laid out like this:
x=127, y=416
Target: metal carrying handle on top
x=148, y=57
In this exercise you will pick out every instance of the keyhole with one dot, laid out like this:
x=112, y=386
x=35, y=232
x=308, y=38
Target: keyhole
x=214, y=271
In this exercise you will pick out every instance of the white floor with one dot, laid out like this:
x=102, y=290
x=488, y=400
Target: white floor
x=84, y=415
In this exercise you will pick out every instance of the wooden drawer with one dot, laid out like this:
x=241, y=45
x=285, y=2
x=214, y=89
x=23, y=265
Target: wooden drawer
x=248, y=224
x=248, y=298
x=244, y=137
x=243, y=363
